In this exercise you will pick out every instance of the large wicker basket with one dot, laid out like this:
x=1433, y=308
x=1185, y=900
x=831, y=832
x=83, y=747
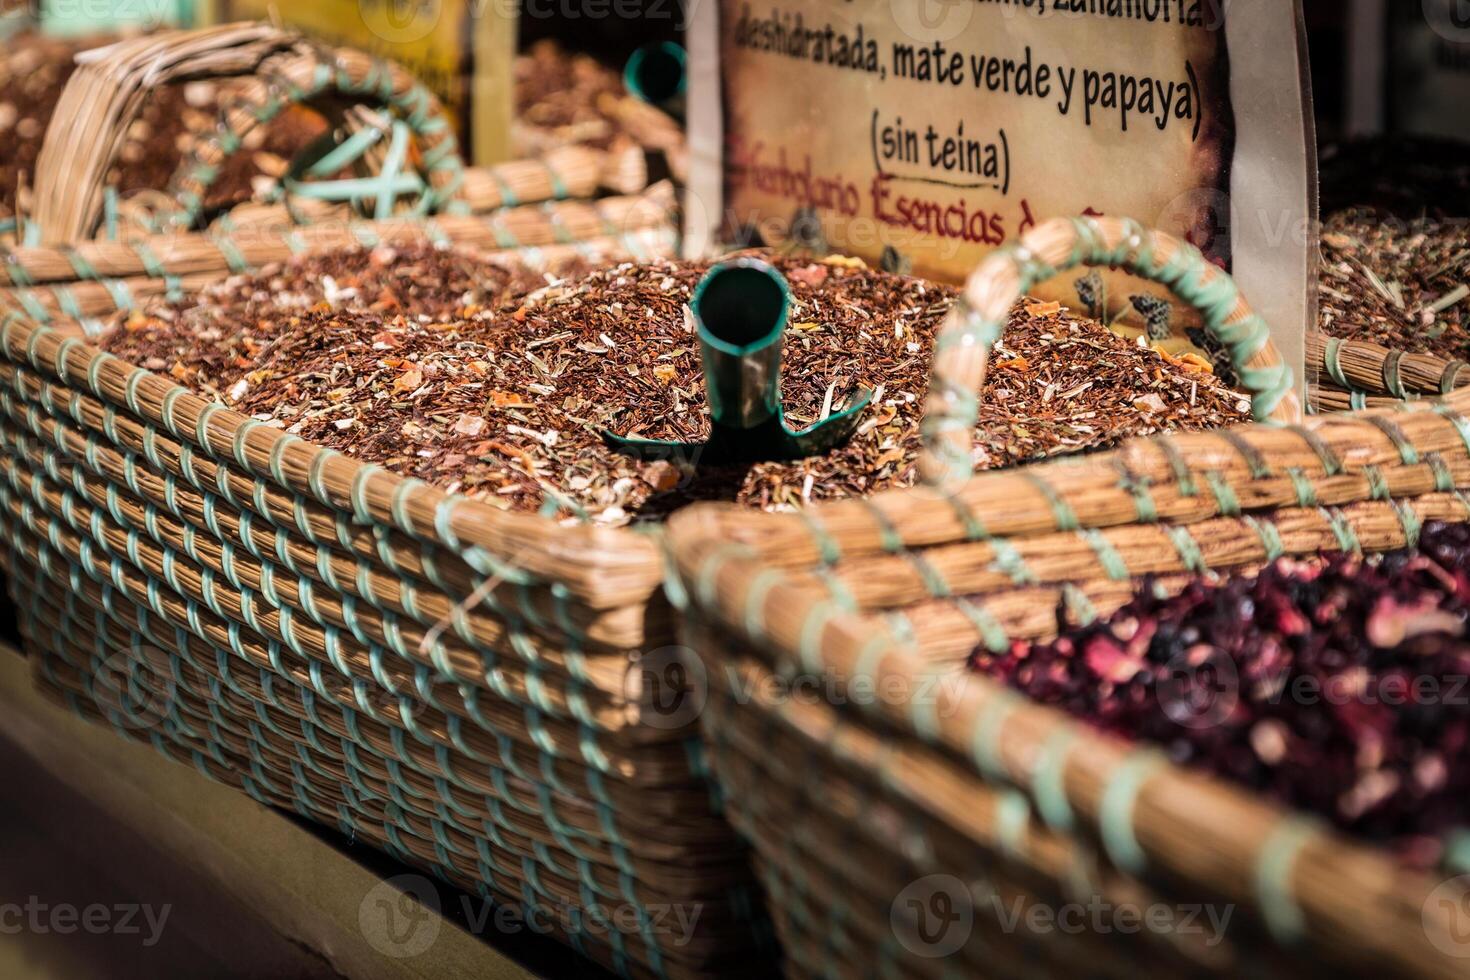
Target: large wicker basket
x=450, y=683
x=444, y=679
x=913, y=818
x=1356, y=374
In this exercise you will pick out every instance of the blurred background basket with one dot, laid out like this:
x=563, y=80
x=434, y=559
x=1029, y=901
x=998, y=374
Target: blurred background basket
x=896, y=799
x=385, y=168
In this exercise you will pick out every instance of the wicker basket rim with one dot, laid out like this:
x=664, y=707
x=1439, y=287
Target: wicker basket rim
x=603, y=566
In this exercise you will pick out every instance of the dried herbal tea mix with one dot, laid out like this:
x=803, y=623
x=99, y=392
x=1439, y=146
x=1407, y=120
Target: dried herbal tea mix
x=565, y=99
x=1402, y=284
x=1396, y=245
x=1337, y=686
x=33, y=71
x=499, y=384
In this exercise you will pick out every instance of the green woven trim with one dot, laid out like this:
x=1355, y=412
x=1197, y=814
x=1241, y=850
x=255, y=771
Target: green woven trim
x=1306, y=492
x=559, y=190
x=1377, y=483
x=1255, y=462
x=1061, y=511
x=932, y=579
x=1048, y=780
x=1188, y=548
x=888, y=537
x=1009, y=561
x=924, y=704
x=1444, y=480
x=992, y=634
x=1330, y=463
x=989, y=722
x=1461, y=424
x=1183, y=476
x=1450, y=379
x=974, y=528
x=1270, y=537
x=1012, y=821
x=1407, y=453
x=508, y=197
x=1342, y=529
x=1225, y=500
x=80, y=266
x=1137, y=487
x=1188, y=274
x=438, y=156
x=1332, y=361
x=837, y=588
x=706, y=579
x=15, y=270
x=1273, y=873
x=809, y=647
x=1409, y=521
x=828, y=548
x=865, y=667
x=1115, y=809
x=1108, y=558
x=755, y=598
x=1393, y=380
x=560, y=232
x=1082, y=611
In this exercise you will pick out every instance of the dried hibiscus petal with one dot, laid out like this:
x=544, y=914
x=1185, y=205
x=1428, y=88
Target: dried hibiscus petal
x=1337, y=686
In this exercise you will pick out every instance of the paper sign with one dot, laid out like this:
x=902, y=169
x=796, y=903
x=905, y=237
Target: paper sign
x=939, y=129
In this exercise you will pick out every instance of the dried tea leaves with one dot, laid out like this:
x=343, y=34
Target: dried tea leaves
x=493, y=382
x=1402, y=284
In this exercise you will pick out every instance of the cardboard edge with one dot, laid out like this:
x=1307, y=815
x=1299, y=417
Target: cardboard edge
x=1273, y=179
x=705, y=193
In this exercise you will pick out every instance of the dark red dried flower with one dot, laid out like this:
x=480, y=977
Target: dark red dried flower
x=1340, y=686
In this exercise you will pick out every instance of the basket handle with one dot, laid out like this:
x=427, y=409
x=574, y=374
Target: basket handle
x=972, y=327
x=108, y=89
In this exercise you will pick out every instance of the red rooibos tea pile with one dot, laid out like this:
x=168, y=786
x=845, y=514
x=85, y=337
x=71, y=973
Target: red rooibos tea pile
x=33, y=71
x=494, y=383
x=1339, y=687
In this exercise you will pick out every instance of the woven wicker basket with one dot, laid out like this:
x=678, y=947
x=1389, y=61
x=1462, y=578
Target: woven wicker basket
x=82, y=284
x=273, y=69
x=902, y=808
x=442, y=678
x=1356, y=374
x=151, y=246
